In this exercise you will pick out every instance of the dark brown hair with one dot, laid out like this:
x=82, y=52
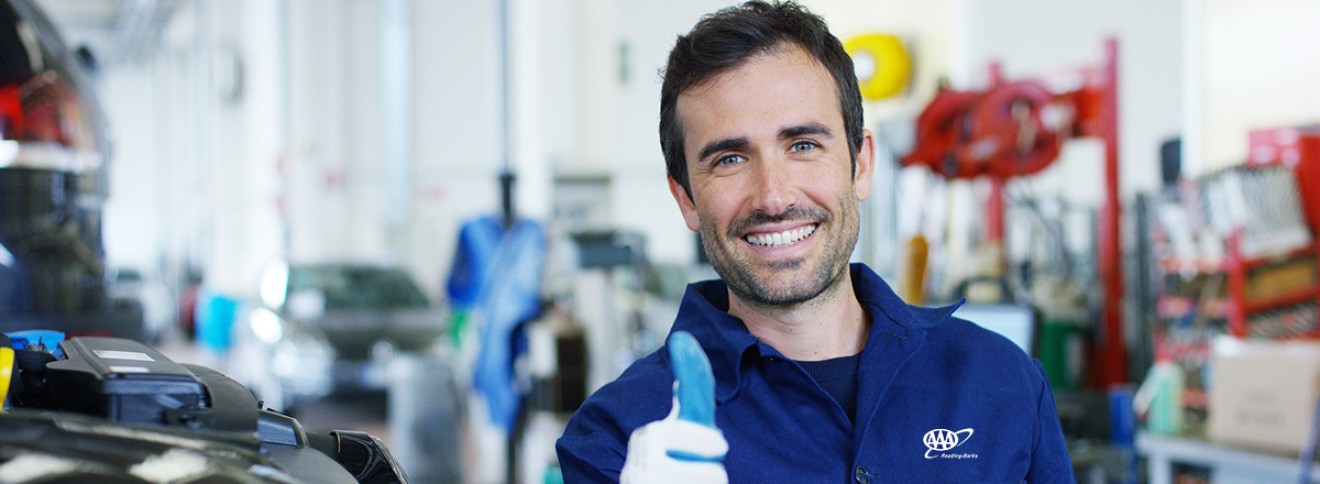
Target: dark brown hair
x=725, y=39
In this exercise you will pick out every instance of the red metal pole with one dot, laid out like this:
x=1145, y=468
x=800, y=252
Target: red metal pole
x=1111, y=346
x=1237, y=285
x=994, y=211
x=994, y=206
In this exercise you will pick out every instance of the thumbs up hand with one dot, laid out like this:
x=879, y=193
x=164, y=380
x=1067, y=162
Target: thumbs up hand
x=685, y=446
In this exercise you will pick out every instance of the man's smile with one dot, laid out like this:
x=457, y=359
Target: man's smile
x=782, y=238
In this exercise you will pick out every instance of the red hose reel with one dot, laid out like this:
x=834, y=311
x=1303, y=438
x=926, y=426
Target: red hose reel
x=941, y=128
x=1014, y=129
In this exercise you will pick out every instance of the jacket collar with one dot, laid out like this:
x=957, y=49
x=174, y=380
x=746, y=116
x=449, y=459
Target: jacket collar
x=704, y=313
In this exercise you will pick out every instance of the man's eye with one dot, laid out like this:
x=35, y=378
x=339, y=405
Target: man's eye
x=802, y=146
x=729, y=160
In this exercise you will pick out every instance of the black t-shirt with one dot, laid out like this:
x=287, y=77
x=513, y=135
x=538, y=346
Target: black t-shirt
x=837, y=376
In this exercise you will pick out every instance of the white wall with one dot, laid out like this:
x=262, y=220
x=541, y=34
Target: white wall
x=1038, y=37
x=193, y=179
x=640, y=196
x=456, y=146
x=134, y=217
x=247, y=142
x=151, y=216
x=324, y=63
x=336, y=173
x=1258, y=71
x=586, y=91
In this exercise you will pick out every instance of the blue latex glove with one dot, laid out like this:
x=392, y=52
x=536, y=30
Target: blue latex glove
x=684, y=446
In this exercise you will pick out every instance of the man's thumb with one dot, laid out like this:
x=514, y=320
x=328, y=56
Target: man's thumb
x=694, y=388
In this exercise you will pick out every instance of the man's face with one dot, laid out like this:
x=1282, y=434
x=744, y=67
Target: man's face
x=774, y=194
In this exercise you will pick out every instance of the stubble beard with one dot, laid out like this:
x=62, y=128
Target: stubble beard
x=782, y=283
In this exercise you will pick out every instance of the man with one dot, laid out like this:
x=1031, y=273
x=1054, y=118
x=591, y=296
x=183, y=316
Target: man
x=822, y=374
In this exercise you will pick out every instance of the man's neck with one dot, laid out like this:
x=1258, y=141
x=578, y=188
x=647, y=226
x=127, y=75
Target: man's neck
x=829, y=326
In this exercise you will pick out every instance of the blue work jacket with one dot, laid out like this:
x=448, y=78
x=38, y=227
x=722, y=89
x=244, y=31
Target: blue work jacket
x=938, y=400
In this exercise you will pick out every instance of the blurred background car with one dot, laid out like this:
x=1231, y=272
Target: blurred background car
x=131, y=285
x=318, y=329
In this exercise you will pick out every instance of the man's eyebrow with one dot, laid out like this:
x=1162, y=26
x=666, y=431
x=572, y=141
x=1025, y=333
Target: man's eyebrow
x=809, y=128
x=720, y=145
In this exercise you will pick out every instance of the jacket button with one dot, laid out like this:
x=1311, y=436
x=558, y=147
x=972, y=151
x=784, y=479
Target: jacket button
x=862, y=476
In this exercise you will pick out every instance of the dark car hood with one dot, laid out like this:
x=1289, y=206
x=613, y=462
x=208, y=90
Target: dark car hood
x=353, y=332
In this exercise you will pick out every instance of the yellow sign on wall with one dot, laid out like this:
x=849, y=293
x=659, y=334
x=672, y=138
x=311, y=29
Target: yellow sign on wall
x=882, y=64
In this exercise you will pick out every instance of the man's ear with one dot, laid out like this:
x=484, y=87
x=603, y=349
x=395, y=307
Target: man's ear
x=685, y=205
x=865, y=167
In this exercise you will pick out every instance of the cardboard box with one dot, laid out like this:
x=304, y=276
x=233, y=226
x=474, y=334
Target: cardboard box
x=1263, y=393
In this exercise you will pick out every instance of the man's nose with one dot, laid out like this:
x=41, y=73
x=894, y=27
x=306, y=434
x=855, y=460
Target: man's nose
x=774, y=186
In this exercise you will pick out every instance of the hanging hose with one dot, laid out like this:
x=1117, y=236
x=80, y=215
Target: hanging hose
x=914, y=272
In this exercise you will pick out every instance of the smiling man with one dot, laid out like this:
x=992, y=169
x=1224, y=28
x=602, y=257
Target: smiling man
x=821, y=373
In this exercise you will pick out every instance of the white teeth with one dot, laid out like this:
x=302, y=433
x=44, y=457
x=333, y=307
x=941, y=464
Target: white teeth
x=780, y=239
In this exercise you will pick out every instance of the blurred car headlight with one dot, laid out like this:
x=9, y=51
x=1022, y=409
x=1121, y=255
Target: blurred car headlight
x=302, y=361
x=274, y=283
x=266, y=326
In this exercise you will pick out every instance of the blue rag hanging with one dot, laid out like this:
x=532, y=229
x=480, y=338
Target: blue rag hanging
x=497, y=272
